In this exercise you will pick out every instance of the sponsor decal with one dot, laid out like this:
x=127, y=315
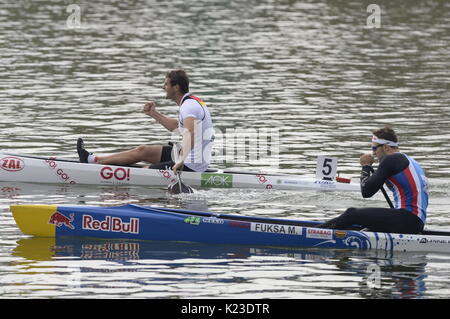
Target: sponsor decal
x=276, y=229
x=340, y=233
x=357, y=242
x=195, y=220
x=12, y=164
x=217, y=180
x=118, y=173
x=425, y=240
x=59, y=220
x=212, y=220
x=52, y=164
x=325, y=183
x=111, y=224
x=438, y=241
x=239, y=224
x=192, y=220
x=318, y=233
x=293, y=182
x=263, y=180
x=167, y=175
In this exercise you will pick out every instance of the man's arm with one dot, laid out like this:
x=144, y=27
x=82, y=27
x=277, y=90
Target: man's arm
x=389, y=166
x=169, y=123
x=370, y=184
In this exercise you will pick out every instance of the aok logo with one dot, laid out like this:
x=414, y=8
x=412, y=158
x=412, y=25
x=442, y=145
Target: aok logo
x=12, y=164
x=118, y=173
x=217, y=180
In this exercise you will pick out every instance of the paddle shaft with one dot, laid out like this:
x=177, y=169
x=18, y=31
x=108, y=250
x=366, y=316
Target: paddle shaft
x=176, y=155
x=180, y=184
x=384, y=192
x=387, y=197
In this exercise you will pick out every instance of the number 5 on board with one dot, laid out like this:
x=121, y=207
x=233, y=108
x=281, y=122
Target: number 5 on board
x=326, y=168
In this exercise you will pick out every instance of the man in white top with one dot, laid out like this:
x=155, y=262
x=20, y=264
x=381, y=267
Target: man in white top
x=194, y=123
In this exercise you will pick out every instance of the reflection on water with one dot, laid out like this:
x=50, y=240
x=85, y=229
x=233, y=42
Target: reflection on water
x=145, y=269
x=311, y=69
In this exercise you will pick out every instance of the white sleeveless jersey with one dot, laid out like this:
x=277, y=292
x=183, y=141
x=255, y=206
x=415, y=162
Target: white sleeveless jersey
x=200, y=156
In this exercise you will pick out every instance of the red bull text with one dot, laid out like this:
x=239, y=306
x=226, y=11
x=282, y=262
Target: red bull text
x=111, y=224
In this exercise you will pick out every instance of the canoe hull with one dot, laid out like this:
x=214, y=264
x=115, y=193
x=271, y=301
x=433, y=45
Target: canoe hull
x=17, y=168
x=149, y=223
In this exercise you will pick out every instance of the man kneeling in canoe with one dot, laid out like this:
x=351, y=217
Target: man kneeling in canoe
x=403, y=176
x=194, y=124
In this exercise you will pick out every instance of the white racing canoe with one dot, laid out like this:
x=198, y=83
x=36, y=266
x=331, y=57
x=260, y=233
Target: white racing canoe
x=33, y=169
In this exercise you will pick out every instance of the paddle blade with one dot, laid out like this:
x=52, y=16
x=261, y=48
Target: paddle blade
x=179, y=188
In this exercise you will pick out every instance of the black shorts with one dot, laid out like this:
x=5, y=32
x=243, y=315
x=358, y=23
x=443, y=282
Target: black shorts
x=166, y=160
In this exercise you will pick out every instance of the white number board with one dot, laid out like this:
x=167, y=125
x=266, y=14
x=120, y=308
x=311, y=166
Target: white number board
x=326, y=168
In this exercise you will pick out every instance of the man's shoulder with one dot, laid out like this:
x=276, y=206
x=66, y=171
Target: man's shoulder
x=193, y=99
x=395, y=156
x=189, y=101
x=193, y=103
x=190, y=105
x=396, y=161
x=191, y=108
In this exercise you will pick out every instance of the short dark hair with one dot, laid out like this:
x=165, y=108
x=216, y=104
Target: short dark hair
x=180, y=78
x=386, y=133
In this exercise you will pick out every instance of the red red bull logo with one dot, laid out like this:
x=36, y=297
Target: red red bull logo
x=59, y=219
x=111, y=224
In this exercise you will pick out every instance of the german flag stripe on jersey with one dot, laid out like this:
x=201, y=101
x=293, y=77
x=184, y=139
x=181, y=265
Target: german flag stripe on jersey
x=199, y=100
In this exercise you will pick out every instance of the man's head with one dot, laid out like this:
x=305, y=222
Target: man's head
x=384, y=142
x=176, y=83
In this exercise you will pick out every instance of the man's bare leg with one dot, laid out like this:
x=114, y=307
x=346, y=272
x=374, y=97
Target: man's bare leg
x=147, y=153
